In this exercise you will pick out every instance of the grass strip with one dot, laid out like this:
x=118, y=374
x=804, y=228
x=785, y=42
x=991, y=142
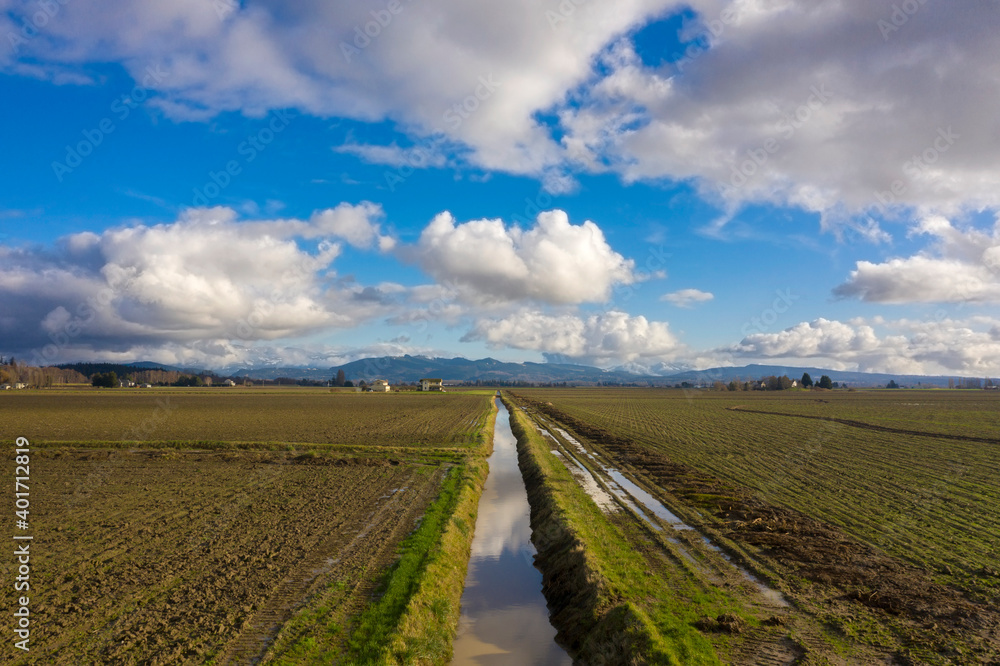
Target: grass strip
x=427, y=627
x=424, y=630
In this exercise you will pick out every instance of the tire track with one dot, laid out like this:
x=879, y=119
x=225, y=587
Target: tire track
x=329, y=558
x=871, y=426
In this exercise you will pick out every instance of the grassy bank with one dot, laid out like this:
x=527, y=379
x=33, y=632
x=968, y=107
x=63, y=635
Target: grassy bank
x=416, y=614
x=607, y=604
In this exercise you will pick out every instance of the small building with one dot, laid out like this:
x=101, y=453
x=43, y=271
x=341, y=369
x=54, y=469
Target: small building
x=431, y=385
x=147, y=386
x=126, y=383
x=20, y=385
x=5, y=387
x=380, y=386
x=229, y=382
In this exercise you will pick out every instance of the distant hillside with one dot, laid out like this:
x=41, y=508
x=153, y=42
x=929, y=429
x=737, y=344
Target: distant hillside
x=746, y=372
x=412, y=368
x=122, y=369
x=400, y=369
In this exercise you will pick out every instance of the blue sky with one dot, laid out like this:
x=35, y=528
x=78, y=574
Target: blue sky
x=645, y=184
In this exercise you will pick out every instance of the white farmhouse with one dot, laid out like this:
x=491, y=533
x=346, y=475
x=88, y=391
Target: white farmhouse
x=380, y=386
x=431, y=385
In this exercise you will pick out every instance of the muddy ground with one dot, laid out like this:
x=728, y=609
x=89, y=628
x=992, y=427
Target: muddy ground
x=856, y=591
x=167, y=557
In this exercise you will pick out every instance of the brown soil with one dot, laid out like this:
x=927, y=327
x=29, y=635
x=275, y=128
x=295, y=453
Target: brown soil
x=166, y=557
x=822, y=565
x=871, y=426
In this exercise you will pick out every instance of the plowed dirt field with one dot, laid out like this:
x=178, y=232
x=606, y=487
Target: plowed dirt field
x=174, y=557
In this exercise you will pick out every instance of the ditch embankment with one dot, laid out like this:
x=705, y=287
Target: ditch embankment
x=591, y=575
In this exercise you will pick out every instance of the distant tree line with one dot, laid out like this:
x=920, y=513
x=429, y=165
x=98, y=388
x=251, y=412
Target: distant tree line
x=13, y=371
x=775, y=383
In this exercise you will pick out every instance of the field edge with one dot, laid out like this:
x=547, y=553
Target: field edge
x=593, y=618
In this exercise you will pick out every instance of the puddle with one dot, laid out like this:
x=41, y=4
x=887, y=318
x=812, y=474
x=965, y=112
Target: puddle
x=647, y=500
x=766, y=591
x=629, y=493
x=504, y=617
x=633, y=496
x=589, y=484
x=685, y=554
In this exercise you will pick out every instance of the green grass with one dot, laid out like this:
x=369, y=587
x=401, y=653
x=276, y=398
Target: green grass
x=415, y=615
x=369, y=641
x=638, y=615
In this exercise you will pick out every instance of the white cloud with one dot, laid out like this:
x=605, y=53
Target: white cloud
x=203, y=279
x=961, y=266
x=553, y=262
x=807, y=105
x=602, y=339
x=417, y=157
x=937, y=346
x=477, y=75
x=818, y=107
x=686, y=298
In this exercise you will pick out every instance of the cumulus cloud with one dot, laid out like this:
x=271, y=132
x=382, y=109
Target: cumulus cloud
x=960, y=266
x=686, y=298
x=553, y=262
x=792, y=103
x=835, y=109
x=600, y=339
x=937, y=346
x=203, y=279
x=477, y=75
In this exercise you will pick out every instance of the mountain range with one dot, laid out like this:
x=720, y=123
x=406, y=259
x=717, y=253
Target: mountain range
x=409, y=369
x=396, y=369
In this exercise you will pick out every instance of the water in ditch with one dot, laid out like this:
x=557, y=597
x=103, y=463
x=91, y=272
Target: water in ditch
x=504, y=618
